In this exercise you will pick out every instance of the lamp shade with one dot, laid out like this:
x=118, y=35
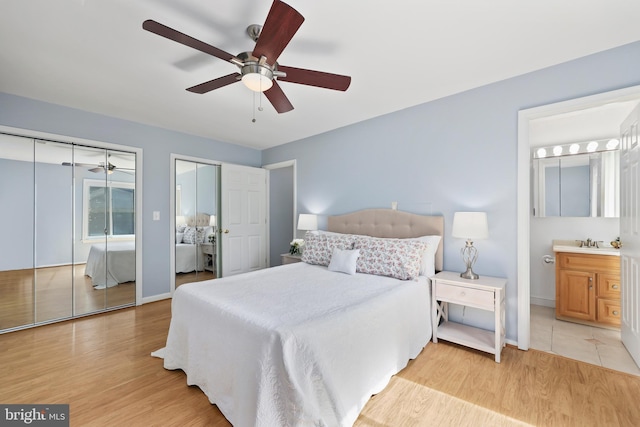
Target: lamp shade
x=470, y=225
x=307, y=222
x=212, y=221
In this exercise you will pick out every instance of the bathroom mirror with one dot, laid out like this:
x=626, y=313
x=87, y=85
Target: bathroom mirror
x=580, y=185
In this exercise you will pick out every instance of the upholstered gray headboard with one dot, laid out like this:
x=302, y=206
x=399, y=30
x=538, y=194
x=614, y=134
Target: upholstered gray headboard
x=390, y=223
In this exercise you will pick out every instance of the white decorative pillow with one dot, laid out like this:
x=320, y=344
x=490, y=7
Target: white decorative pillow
x=179, y=237
x=428, y=267
x=344, y=260
x=399, y=258
x=318, y=247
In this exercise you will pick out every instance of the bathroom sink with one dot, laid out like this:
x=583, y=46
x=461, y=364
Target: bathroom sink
x=574, y=246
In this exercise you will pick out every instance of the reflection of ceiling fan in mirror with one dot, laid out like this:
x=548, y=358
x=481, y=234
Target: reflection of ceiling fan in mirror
x=109, y=168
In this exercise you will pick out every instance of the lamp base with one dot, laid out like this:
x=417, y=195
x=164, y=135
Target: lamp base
x=469, y=274
x=469, y=255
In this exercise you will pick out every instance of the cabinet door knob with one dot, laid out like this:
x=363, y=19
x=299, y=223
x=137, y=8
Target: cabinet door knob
x=615, y=313
x=615, y=287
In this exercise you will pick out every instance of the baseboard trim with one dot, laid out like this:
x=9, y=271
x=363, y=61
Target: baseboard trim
x=155, y=298
x=543, y=302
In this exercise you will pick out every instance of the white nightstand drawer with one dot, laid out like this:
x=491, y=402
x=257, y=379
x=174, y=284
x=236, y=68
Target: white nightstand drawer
x=465, y=296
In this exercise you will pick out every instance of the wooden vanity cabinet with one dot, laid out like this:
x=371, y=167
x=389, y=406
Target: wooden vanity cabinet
x=588, y=288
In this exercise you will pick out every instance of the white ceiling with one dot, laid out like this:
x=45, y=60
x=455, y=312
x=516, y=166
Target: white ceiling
x=94, y=55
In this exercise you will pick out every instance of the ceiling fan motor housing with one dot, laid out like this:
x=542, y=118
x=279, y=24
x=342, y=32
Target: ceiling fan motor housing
x=257, y=74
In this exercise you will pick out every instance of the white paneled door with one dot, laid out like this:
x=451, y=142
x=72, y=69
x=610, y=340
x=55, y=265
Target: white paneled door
x=243, y=228
x=630, y=233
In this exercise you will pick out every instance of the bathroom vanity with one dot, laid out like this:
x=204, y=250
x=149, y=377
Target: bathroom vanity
x=587, y=284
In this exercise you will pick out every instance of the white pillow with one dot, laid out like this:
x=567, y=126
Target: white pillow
x=344, y=260
x=179, y=237
x=428, y=266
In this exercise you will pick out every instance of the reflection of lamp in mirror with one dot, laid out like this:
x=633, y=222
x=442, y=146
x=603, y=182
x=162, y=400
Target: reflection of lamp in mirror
x=212, y=221
x=470, y=225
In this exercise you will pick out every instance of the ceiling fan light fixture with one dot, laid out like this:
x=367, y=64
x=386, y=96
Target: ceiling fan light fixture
x=256, y=77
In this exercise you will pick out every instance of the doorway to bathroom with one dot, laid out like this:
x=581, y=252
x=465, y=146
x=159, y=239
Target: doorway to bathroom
x=592, y=118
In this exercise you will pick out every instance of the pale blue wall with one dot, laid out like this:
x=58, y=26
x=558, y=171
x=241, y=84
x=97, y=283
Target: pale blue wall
x=455, y=153
x=157, y=145
x=280, y=213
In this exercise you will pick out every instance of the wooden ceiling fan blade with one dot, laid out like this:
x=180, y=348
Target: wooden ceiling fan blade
x=315, y=78
x=279, y=28
x=215, y=83
x=171, y=34
x=278, y=99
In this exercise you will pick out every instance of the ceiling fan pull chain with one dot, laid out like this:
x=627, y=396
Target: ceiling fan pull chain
x=253, y=110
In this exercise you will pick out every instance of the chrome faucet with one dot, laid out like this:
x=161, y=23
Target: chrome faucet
x=589, y=243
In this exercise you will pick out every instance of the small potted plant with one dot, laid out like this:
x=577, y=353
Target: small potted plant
x=296, y=246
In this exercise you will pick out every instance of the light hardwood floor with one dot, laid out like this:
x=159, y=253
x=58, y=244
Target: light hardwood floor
x=101, y=366
x=40, y=295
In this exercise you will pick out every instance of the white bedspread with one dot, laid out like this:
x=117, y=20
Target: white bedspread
x=296, y=345
x=189, y=258
x=110, y=264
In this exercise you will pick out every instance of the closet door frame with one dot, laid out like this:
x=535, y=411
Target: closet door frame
x=172, y=208
x=138, y=183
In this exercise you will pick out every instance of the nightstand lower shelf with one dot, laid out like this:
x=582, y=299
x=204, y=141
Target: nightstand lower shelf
x=468, y=336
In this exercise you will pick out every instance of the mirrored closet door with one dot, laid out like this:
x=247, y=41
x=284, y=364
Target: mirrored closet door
x=196, y=207
x=69, y=245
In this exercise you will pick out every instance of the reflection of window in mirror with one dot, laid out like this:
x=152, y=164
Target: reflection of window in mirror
x=178, y=200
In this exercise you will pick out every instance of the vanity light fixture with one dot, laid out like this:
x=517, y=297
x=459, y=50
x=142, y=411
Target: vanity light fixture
x=470, y=226
x=593, y=146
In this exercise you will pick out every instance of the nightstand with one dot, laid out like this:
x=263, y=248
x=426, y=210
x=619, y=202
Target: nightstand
x=209, y=251
x=290, y=259
x=485, y=293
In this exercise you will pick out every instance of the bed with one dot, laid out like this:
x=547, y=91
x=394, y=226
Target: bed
x=111, y=263
x=307, y=343
x=196, y=230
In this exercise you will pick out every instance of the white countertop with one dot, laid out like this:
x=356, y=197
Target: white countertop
x=573, y=246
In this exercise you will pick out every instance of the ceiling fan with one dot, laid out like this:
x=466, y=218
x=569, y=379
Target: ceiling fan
x=259, y=69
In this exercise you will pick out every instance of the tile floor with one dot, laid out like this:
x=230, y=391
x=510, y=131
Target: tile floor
x=585, y=343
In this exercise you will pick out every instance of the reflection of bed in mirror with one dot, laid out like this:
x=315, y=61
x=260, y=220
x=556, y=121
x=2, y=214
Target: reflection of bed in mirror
x=111, y=263
x=189, y=237
x=189, y=257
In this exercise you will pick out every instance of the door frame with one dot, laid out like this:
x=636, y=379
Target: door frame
x=172, y=208
x=524, y=191
x=280, y=165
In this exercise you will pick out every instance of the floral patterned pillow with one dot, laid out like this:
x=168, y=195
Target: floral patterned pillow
x=193, y=235
x=318, y=247
x=397, y=258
